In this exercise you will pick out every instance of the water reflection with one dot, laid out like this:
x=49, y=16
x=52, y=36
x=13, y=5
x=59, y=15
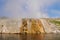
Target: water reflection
x=30, y=37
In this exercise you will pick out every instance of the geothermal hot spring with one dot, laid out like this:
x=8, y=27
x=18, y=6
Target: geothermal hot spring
x=32, y=26
x=38, y=26
x=36, y=29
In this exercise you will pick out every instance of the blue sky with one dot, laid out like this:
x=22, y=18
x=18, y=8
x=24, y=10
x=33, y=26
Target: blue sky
x=54, y=10
x=30, y=8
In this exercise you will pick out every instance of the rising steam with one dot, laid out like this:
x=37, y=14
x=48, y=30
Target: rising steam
x=27, y=8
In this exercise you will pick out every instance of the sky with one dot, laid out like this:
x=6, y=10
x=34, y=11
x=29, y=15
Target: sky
x=30, y=8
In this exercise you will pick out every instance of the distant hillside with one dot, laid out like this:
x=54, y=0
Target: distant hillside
x=4, y=17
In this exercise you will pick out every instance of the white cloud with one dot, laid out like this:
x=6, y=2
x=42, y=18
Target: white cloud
x=27, y=8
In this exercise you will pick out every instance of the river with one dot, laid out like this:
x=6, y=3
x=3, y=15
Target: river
x=30, y=37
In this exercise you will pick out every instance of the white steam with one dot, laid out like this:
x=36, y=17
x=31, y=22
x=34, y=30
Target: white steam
x=27, y=8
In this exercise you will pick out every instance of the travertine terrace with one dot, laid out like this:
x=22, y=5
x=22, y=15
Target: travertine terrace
x=27, y=25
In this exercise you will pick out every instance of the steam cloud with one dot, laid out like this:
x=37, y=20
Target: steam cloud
x=27, y=8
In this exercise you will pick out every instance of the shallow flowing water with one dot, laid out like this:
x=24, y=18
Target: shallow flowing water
x=30, y=37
